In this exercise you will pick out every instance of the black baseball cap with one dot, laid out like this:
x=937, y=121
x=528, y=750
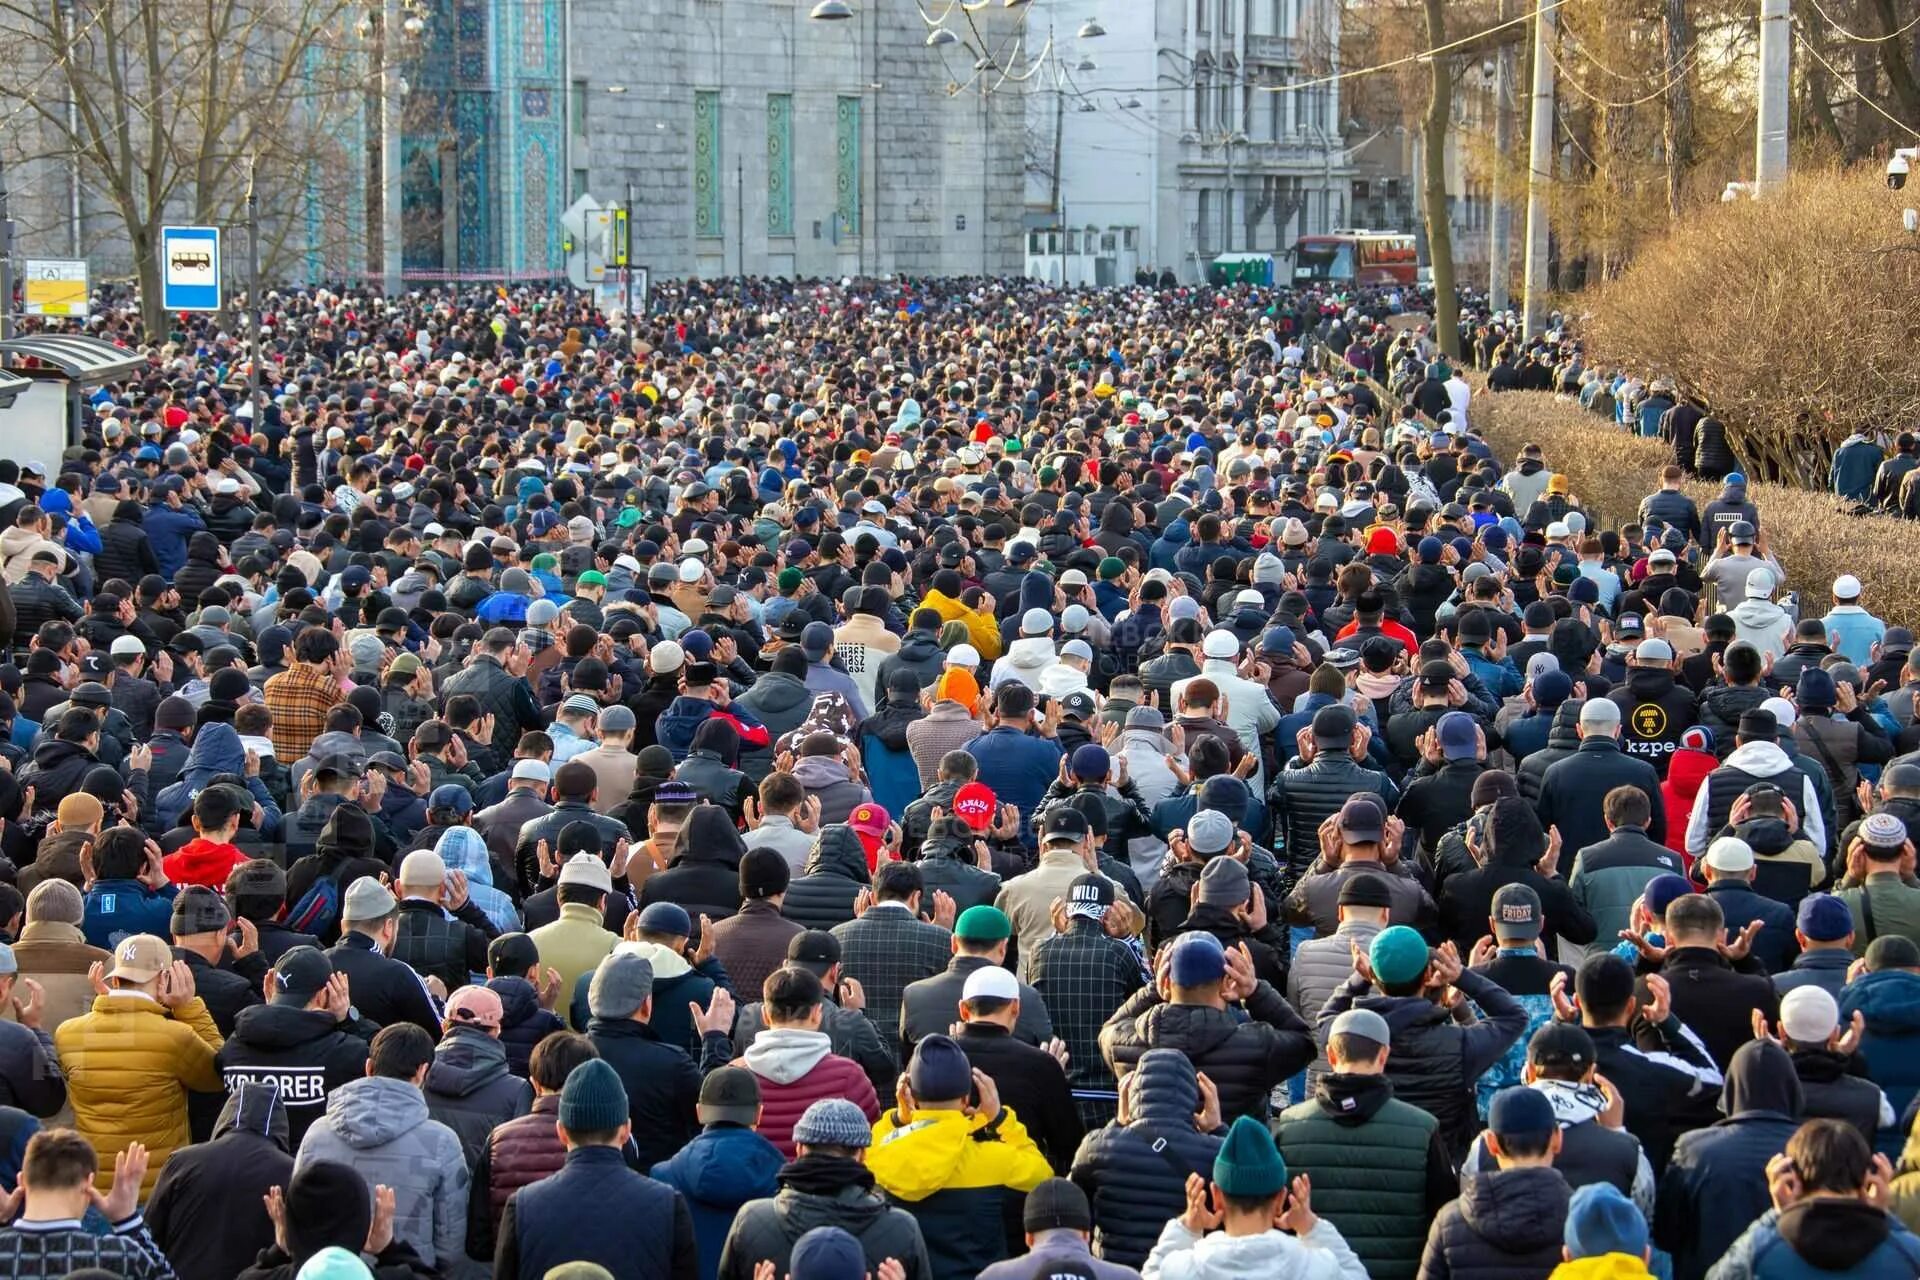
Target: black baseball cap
x=302, y=972
x=1065, y=822
x=816, y=950
x=1561, y=1044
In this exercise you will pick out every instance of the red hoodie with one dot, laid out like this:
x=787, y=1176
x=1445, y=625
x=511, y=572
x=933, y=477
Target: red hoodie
x=201, y=861
x=1687, y=772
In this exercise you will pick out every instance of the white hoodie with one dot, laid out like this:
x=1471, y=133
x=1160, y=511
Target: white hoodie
x=1026, y=658
x=1762, y=760
x=1321, y=1254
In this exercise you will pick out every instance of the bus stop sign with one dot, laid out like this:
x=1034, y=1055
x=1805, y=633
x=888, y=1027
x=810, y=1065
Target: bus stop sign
x=190, y=268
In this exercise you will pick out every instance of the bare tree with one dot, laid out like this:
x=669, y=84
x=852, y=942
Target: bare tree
x=1446, y=303
x=171, y=99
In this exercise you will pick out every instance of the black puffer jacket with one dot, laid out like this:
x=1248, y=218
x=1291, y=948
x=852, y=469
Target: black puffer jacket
x=125, y=550
x=835, y=873
x=920, y=653
x=523, y=1023
x=202, y=568
x=1243, y=1059
x=56, y=769
x=1721, y=707
x=1131, y=1183
x=1506, y=1225
x=704, y=875
x=470, y=1089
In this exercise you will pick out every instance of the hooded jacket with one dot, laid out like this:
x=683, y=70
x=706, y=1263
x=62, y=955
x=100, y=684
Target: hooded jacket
x=827, y=780
x=1378, y=1167
x=796, y=1068
x=1132, y=1185
x=719, y=1171
x=704, y=874
x=1506, y=1225
x=216, y=749
x=302, y=1053
x=920, y=653
x=836, y=872
x=465, y=850
x=1272, y=1255
x=1716, y=1185
x=1764, y=625
x=953, y=1171
x=125, y=550
x=1819, y=1238
x=204, y=1212
x=380, y=1128
x=1590, y=1151
x=1890, y=1000
x=1244, y=1059
x=822, y=1191
x=780, y=702
x=525, y=1023
x=1749, y=763
x=470, y=1090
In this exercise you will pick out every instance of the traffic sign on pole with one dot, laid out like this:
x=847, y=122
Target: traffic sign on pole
x=190, y=268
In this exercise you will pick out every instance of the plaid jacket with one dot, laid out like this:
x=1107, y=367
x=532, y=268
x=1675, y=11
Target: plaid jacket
x=50, y=1250
x=1084, y=975
x=300, y=698
x=886, y=949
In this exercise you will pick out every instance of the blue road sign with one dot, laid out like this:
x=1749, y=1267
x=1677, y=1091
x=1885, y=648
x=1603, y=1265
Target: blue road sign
x=190, y=268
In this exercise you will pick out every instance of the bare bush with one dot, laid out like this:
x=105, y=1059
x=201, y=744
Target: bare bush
x=1792, y=316
x=1609, y=471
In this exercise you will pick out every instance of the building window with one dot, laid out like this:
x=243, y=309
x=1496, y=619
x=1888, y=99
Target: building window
x=579, y=183
x=1200, y=8
x=779, y=164
x=846, y=167
x=1130, y=237
x=707, y=218
x=1226, y=16
x=1199, y=106
x=579, y=111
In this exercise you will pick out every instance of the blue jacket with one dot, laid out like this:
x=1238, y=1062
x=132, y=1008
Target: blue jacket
x=1167, y=547
x=118, y=909
x=1018, y=767
x=1855, y=463
x=1502, y=678
x=167, y=532
x=216, y=750
x=1822, y=1240
x=1776, y=945
x=1891, y=1001
x=637, y=1228
x=892, y=776
x=717, y=1172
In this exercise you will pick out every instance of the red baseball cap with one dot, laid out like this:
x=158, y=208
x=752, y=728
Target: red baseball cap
x=869, y=820
x=974, y=803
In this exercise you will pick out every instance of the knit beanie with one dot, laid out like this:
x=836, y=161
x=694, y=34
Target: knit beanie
x=593, y=1100
x=940, y=1071
x=334, y=1263
x=327, y=1204
x=1249, y=1164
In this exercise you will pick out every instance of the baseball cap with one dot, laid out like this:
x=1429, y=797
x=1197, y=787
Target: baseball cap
x=1064, y=824
x=730, y=1095
x=1090, y=895
x=1561, y=1044
x=475, y=1007
x=814, y=950
x=141, y=958
x=974, y=804
x=1518, y=1111
x=1362, y=819
x=300, y=972
x=1516, y=913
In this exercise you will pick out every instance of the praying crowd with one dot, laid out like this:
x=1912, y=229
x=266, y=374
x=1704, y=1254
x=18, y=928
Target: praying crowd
x=930, y=780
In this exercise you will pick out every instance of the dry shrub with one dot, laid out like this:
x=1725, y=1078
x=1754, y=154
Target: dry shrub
x=1609, y=471
x=1793, y=316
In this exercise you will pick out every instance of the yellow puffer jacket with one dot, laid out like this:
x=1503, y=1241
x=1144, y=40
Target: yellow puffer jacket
x=1602, y=1266
x=1906, y=1182
x=954, y=1183
x=981, y=628
x=129, y=1063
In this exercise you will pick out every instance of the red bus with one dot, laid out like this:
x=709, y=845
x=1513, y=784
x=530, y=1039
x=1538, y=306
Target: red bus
x=1356, y=257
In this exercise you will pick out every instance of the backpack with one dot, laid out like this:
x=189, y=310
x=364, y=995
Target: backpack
x=318, y=909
